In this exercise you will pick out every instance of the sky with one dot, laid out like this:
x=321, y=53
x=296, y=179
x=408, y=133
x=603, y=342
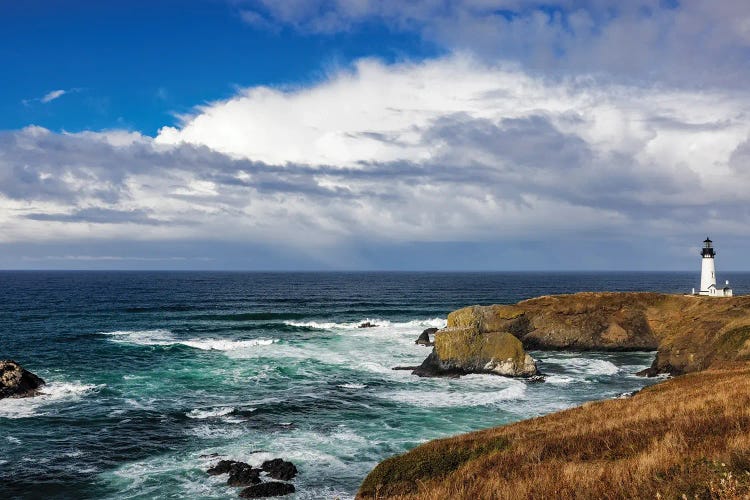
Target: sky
x=502, y=135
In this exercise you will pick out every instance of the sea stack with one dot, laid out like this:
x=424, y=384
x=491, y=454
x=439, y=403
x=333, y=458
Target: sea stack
x=17, y=382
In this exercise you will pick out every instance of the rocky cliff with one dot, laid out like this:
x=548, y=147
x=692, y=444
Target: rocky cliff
x=689, y=333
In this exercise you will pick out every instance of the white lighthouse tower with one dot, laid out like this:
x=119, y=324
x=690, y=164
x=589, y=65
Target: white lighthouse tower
x=708, y=273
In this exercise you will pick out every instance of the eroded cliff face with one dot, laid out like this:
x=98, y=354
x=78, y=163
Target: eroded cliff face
x=689, y=333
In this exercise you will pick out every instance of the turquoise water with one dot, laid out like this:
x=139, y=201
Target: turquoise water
x=148, y=373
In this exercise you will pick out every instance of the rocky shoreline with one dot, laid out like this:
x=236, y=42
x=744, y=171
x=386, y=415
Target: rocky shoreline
x=689, y=333
x=692, y=445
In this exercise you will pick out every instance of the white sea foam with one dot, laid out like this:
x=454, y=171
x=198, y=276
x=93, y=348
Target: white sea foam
x=380, y=323
x=586, y=366
x=458, y=397
x=13, y=439
x=210, y=413
x=352, y=386
x=213, y=432
x=559, y=380
x=51, y=393
x=167, y=338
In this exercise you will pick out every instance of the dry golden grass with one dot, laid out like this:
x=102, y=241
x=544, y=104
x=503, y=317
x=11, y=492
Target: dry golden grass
x=688, y=437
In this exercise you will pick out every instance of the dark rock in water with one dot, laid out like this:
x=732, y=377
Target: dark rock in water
x=223, y=467
x=241, y=474
x=279, y=469
x=367, y=324
x=16, y=382
x=409, y=368
x=265, y=490
x=424, y=338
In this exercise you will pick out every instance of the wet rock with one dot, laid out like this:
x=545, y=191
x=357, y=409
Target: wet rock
x=367, y=324
x=223, y=467
x=432, y=367
x=279, y=469
x=241, y=474
x=424, y=338
x=16, y=382
x=265, y=490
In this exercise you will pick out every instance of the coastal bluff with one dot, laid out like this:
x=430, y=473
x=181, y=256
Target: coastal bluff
x=690, y=333
x=682, y=438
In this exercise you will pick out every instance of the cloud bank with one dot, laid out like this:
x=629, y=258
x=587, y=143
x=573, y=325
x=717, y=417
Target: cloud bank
x=684, y=43
x=563, y=134
x=445, y=151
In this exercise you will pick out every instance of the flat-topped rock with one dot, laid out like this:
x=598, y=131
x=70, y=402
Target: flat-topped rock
x=464, y=350
x=17, y=382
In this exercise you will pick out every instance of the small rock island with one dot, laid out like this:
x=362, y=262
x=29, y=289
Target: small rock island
x=17, y=382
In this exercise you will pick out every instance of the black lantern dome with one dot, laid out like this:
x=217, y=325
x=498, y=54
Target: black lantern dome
x=708, y=250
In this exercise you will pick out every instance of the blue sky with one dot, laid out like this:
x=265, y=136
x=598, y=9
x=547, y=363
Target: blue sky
x=134, y=64
x=332, y=134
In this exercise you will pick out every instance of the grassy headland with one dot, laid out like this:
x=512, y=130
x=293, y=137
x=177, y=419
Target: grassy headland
x=686, y=436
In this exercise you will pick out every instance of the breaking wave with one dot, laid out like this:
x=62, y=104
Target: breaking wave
x=166, y=338
x=379, y=323
x=210, y=413
x=50, y=393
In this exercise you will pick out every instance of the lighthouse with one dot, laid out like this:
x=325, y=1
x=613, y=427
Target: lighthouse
x=708, y=273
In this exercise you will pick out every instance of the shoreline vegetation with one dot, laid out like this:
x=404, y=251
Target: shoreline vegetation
x=687, y=437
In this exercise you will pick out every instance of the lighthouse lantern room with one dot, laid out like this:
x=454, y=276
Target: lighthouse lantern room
x=708, y=273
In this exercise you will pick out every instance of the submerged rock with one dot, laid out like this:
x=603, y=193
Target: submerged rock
x=279, y=469
x=17, y=382
x=265, y=490
x=424, y=338
x=367, y=324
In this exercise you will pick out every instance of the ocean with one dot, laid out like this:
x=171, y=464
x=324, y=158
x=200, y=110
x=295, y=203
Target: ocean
x=152, y=376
